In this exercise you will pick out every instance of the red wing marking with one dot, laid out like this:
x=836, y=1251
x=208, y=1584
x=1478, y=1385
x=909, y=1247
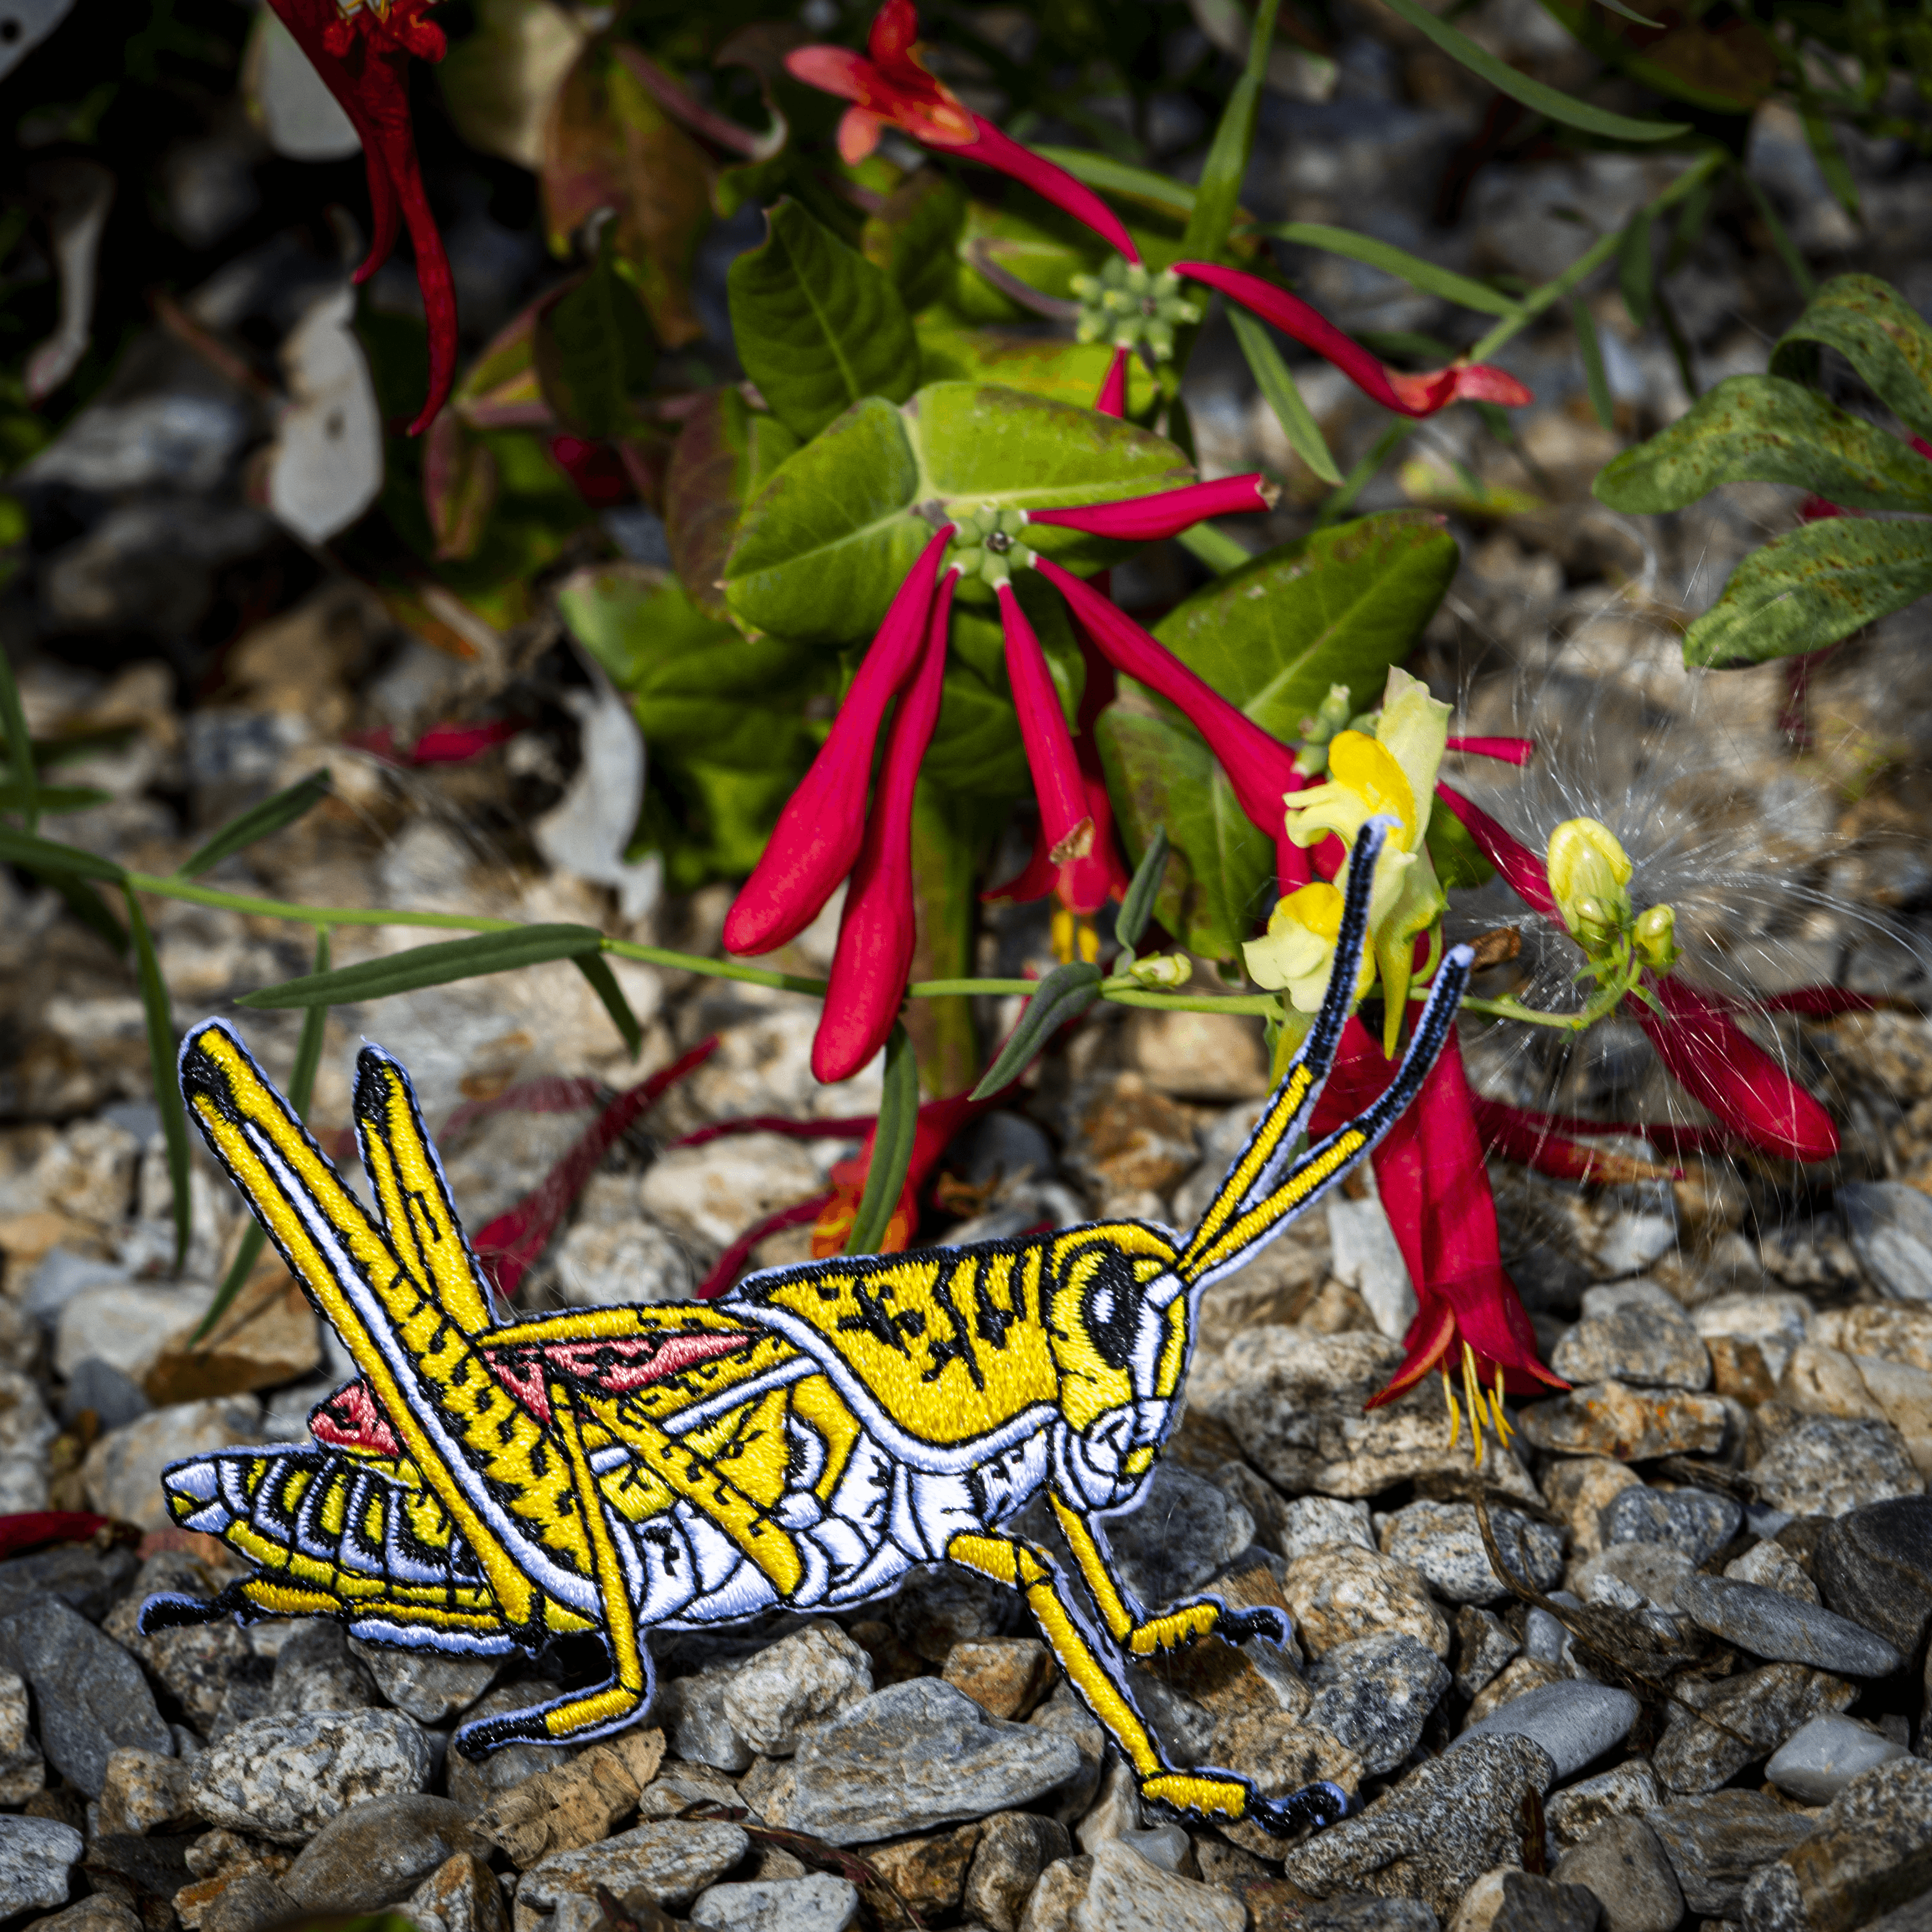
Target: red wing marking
x=351, y=1419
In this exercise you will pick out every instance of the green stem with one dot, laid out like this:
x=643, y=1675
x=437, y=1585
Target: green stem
x=175, y=887
x=716, y=969
x=1265, y=1005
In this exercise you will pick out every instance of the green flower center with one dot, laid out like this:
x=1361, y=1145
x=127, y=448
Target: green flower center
x=1126, y=305
x=987, y=544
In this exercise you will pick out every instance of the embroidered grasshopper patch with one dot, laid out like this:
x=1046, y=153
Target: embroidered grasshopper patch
x=482, y=1487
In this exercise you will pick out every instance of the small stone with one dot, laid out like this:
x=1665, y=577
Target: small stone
x=1768, y=1623
x=929, y=1872
x=315, y=1671
x=1375, y=1695
x=251, y=1902
x=673, y=1860
x=122, y=1473
x=1735, y=1719
x=1819, y=1759
x=1336, y=1594
x=1609, y=1418
x=1483, y=1645
x=1874, y=1565
x=1653, y=1569
x=707, y=1194
x=1057, y=1897
x=1311, y=1523
x=1573, y=1722
x=818, y=1903
x=1126, y=1894
x=1869, y=1849
x=1579, y=1491
x=1889, y=1225
x=1359, y=1912
x=285, y=1776
x=1184, y=1529
x=691, y=1710
x=143, y=1791
x=1015, y=1848
x=1517, y=1679
x=1772, y=1567
x=474, y=1782
x=1652, y=1345
x=1006, y=1676
x=934, y=1608
x=1279, y=1756
x=1444, y=1542
x=1430, y=1837
x=1694, y=1521
x=1064, y=1715
x=89, y=1693
x=1627, y=1790
x=1623, y=1864
x=197, y=1663
x=22, y=1770
x=575, y=1803
x=1746, y=1368
x=460, y=1895
x=431, y=1688
x=911, y=1758
x=1825, y=1466
x=800, y=1681
x=88, y=1580
x=1715, y=1842
x=1511, y=1900
x=36, y=1855
x=1891, y=1331
x=98, y=1913
x=678, y=1786
x=377, y=1852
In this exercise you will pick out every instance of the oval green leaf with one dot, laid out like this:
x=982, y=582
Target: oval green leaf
x=1878, y=332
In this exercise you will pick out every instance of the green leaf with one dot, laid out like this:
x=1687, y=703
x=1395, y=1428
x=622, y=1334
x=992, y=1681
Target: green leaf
x=596, y=969
x=828, y=540
x=49, y=856
x=818, y=326
x=1064, y=994
x=1271, y=375
x=1765, y=429
x=1043, y=365
x=1519, y=86
x=435, y=965
x=1810, y=588
x=85, y=903
x=1795, y=265
x=698, y=688
x=1116, y=177
x=1591, y=351
x=1427, y=276
x=913, y=237
x=15, y=797
x=1161, y=776
x=1635, y=269
x=1212, y=217
x=1457, y=858
x=162, y=1047
x=722, y=457
x=1137, y=908
x=259, y=821
x=594, y=348
x=1338, y=606
x=301, y=1091
x=1878, y=332
x=1832, y=163
x=892, y=1146
x=14, y=734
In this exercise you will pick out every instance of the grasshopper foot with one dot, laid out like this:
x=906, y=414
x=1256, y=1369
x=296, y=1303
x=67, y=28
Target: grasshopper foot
x=1311, y=1807
x=1264, y=1620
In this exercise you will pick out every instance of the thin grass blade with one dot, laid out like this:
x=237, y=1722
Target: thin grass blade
x=162, y=1047
x=892, y=1146
x=259, y=821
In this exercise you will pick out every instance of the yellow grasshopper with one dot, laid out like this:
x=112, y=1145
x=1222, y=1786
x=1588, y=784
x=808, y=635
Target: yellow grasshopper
x=483, y=1487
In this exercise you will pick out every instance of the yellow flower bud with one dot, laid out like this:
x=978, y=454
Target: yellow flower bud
x=1162, y=969
x=1589, y=871
x=1655, y=937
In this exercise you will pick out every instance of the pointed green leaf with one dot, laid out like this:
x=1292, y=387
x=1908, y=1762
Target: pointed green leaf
x=1272, y=375
x=1430, y=277
x=18, y=741
x=1592, y=353
x=259, y=821
x=1064, y=994
x=1635, y=279
x=1118, y=177
x=1810, y=588
x=1765, y=429
x=818, y=326
x=434, y=965
x=596, y=969
x=892, y=1146
x=49, y=856
x=594, y=349
x=15, y=797
x=723, y=453
x=1137, y=908
x=1878, y=332
x=827, y=541
x=162, y=1047
x=1519, y=86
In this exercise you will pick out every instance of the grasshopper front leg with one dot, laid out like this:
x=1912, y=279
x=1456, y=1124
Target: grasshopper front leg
x=1101, y=1683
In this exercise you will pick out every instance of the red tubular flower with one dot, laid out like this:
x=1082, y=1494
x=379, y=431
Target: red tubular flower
x=1166, y=513
x=1505, y=750
x=1707, y=1052
x=30, y=1530
x=892, y=89
x=1435, y=1192
x=1112, y=400
x=363, y=57
x=1420, y=395
x=816, y=841
x=1066, y=828
x=875, y=937
x=1544, y=1142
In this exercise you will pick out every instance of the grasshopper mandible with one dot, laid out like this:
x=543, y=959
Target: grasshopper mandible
x=482, y=1487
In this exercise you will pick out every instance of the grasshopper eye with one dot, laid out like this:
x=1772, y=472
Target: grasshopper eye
x=1111, y=1311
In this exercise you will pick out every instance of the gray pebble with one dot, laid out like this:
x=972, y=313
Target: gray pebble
x=1366, y=1912
x=1184, y=1530
x=1874, y=1565
x=377, y=1852
x=1445, y=1541
x=431, y=1689
x=1623, y=1864
x=1574, y=1721
x=1510, y=1899
x=1889, y=1225
x=1737, y=1719
x=673, y=1860
x=1375, y=1695
x=1715, y=1842
x=1641, y=1343
x=36, y=1855
x=1483, y=1645
x=1869, y=1848
x=1627, y=1790
x=89, y=1580
x=1826, y=1464
x=913, y=1757
x=1695, y=1521
x=314, y=1671
x=285, y=1776
x=89, y=1693
x=1653, y=1569
x=1768, y=1623
x=818, y=1903
x=1819, y=1759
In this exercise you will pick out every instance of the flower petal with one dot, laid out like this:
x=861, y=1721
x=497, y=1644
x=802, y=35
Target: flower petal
x=1049, y=180
x=1510, y=856
x=1065, y=825
x=1505, y=750
x=1164, y=513
x=1112, y=400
